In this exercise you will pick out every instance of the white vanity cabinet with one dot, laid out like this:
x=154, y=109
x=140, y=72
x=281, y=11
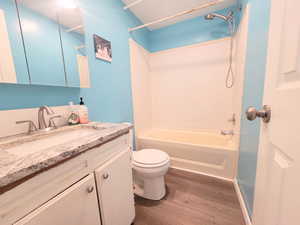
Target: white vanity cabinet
x=115, y=190
x=93, y=188
x=78, y=205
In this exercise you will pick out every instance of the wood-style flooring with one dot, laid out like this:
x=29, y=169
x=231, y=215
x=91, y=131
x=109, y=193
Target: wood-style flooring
x=192, y=199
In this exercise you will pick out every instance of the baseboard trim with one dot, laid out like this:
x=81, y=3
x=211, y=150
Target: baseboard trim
x=242, y=203
x=204, y=174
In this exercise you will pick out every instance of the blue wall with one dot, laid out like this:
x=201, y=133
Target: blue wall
x=188, y=32
x=253, y=95
x=109, y=99
x=17, y=96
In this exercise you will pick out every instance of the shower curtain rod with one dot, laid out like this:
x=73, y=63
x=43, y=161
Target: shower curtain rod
x=186, y=12
x=132, y=4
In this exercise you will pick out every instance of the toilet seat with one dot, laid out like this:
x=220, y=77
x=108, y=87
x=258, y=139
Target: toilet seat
x=150, y=158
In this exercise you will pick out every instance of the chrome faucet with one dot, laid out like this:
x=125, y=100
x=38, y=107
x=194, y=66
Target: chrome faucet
x=41, y=116
x=227, y=132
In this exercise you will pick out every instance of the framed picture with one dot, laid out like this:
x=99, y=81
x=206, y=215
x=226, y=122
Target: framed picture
x=102, y=48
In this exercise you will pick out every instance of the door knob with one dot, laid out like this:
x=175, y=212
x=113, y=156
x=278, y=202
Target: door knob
x=252, y=113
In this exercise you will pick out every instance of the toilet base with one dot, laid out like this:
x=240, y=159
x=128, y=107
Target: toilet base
x=152, y=189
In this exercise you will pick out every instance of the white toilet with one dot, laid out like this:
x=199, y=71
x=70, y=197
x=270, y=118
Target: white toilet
x=149, y=168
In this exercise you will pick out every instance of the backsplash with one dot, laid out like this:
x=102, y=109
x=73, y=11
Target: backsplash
x=8, y=119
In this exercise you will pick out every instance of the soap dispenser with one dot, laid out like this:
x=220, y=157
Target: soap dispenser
x=83, y=112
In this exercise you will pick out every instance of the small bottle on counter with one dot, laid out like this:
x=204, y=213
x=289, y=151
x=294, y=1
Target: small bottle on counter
x=83, y=112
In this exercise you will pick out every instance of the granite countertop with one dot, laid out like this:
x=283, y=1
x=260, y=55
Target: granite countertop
x=17, y=163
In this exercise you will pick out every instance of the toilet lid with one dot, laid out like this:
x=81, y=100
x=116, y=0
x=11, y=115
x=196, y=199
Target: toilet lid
x=150, y=157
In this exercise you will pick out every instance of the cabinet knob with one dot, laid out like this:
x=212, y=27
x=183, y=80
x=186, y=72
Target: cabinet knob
x=90, y=189
x=105, y=176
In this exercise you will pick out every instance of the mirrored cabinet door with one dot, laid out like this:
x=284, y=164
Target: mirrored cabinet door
x=41, y=35
x=13, y=67
x=73, y=45
x=42, y=42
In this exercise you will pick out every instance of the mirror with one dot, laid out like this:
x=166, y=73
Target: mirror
x=72, y=33
x=42, y=41
x=54, y=42
x=13, y=67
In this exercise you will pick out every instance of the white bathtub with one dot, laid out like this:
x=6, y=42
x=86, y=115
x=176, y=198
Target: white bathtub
x=202, y=152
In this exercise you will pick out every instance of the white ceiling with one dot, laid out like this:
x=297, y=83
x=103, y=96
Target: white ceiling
x=151, y=10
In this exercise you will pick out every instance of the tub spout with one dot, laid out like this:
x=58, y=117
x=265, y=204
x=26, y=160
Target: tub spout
x=227, y=132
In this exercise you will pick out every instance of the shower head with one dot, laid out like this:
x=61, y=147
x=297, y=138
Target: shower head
x=211, y=16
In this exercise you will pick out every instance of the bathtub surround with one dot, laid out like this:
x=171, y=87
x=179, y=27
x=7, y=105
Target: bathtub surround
x=240, y=51
x=178, y=114
x=141, y=89
x=188, y=90
x=254, y=80
x=182, y=80
x=161, y=101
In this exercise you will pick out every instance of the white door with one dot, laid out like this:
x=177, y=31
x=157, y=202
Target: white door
x=78, y=205
x=277, y=192
x=115, y=189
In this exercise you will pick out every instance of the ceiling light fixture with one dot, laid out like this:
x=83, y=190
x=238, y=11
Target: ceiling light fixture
x=67, y=4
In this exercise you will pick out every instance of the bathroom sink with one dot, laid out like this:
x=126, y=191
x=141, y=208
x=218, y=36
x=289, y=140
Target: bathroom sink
x=39, y=141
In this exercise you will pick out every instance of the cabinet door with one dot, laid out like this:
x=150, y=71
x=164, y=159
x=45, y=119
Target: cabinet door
x=12, y=56
x=42, y=41
x=115, y=190
x=78, y=205
x=73, y=43
x=7, y=67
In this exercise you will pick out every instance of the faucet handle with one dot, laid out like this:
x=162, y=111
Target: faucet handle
x=232, y=119
x=51, y=120
x=32, y=127
x=48, y=110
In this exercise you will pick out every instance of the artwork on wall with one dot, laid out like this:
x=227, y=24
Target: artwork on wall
x=102, y=48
